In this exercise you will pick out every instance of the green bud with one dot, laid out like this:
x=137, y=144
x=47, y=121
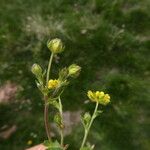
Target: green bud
x=55, y=46
x=74, y=70
x=87, y=117
x=36, y=70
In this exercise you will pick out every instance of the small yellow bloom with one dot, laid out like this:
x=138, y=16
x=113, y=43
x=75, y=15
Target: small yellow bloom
x=52, y=84
x=91, y=96
x=29, y=142
x=106, y=99
x=99, y=97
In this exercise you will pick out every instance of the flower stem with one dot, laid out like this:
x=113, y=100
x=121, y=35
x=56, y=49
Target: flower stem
x=46, y=107
x=89, y=126
x=49, y=68
x=61, y=129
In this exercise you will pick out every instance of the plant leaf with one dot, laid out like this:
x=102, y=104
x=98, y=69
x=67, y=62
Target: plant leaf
x=50, y=145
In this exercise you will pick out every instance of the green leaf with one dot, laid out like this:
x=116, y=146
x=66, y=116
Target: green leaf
x=39, y=85
x=50, y=145
x=58, y=119
x=88, y=147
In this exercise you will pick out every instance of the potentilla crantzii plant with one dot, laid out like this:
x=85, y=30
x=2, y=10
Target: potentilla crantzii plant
x=52, y=89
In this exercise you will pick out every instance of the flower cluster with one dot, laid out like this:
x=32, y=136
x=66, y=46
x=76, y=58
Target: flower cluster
x=99, y=97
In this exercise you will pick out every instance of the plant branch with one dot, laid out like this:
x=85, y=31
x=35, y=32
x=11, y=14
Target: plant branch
x=46, y=107
x=89, y=126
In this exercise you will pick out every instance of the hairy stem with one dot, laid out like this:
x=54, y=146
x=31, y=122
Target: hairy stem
x=61, y=129
x=89, y=126
x=46, y=107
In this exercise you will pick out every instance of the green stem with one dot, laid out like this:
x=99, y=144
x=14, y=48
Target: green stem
x=61, y=129
x=47, y=127
x=87, y=130
x=46, y=107
x=49, y=67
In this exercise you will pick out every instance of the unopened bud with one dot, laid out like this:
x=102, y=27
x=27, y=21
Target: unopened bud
x=55, y=46
x=36, y=69
x=74, y=70
x=87, y=117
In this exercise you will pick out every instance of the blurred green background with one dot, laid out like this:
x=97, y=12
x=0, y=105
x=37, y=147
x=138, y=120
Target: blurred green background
x=108, y=38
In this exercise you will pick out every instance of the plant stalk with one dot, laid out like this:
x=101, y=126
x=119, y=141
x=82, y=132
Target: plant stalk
x=47, y=127
x=61, y=128
x=87, y=130
x=49, y=67
x=46, y=107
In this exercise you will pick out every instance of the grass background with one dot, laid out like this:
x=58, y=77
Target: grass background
x=109, y=39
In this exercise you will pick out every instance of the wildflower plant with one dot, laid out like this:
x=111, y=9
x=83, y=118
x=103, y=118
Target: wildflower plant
x=52, y=89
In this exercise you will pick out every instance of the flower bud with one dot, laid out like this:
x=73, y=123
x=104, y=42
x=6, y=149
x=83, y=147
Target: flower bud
x=87, y=117
x=55, y=46
x=36, y=69
x=74, y=70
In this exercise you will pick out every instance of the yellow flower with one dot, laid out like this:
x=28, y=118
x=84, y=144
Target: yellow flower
x=91, y=96
x=55, y=45
x=99, y=97
x=53, y=84
x=29, y=142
